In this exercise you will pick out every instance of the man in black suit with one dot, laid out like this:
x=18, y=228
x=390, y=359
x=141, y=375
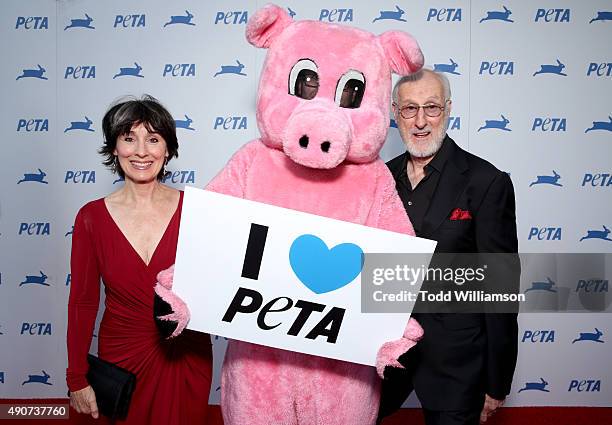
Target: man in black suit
x=462, y=369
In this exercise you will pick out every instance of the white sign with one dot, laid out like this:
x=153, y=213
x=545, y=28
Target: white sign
x=282, y=278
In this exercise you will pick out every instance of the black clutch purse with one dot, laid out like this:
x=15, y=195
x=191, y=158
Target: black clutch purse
x=113, y=386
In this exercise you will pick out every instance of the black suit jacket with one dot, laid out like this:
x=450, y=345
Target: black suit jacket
x=462, y=356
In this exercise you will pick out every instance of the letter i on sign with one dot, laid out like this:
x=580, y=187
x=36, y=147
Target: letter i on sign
x=254, y=251
x=250, y=270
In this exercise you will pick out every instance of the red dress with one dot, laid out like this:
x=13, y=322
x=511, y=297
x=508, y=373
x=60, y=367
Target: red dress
x=172, y=376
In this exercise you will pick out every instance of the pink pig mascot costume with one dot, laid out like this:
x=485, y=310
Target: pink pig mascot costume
x=323, y=114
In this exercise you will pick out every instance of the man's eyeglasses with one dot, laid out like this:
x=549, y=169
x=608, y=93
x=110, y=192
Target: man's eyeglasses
x=411, y=110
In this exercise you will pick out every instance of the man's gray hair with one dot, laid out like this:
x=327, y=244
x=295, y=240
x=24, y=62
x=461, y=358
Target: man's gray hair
x=417, y=76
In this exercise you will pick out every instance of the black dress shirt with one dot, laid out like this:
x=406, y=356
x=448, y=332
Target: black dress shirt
x=416, y=200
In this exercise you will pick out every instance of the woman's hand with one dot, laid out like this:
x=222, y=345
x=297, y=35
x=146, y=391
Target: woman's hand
x=84, y=401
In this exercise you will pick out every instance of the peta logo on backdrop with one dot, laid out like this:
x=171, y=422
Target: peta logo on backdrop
x=590, y=336
x=592, y=285
x=601, y=125
x=496, y=68
x=391, y=15
x=81, y=23
x=231, y=69
x=80, y=125
x=80, y=176
x=34, y=177
x=549, y=124
x=556, y=69
x=597, y=180
x=32, y=23
x=496, y=124
x=181, y=19
x=598, y=234
x=40, y=328
x=40, y=279
x=585, y=385
x=449, y=68
x=33, y=124
x=80, y=72
x=33, y=73
x=130, y=21
x=552, y=15
x=535, y=386
x=498, y=15
x=552, y=180
x=179, y=177
x=35, y=229
x=602, y=16
x=179, y=70
x=185, y=124
x=545, y=233
x=232, y=18
x=336, y=15
x=454, y=123
x=38, y=379
x=130, y=72
x=603, y=69
x=548, y=285
x=230, y=123
x=444, y=15
x=538, y=336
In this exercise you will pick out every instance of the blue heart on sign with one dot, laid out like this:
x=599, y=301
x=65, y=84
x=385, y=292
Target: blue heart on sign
x=322, y=269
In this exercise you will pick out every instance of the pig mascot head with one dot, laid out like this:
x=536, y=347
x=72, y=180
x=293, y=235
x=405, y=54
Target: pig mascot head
x=325, y=89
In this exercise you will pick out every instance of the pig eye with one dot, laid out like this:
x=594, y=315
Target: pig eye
x=350, y=89
x=304, y=80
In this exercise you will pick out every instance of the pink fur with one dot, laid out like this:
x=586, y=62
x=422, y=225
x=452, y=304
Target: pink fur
x=263, y=385
x=402, y=51
x=180, y=311
x=266, y=25
x=413, y=330
x=165, y=277
x=322, y=122
x=390, y=352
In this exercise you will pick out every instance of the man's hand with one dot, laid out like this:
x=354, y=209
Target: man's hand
x=490, y=406
x=84, y=401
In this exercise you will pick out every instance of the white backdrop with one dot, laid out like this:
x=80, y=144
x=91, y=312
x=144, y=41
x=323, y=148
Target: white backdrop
x=61, y=65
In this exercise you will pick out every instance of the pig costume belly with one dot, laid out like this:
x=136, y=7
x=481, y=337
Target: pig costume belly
x=267, y=386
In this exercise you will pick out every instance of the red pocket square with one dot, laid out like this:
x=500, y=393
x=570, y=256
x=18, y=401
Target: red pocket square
x=459, y=214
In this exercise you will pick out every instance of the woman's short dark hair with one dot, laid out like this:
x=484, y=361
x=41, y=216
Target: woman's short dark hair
x=124, y=114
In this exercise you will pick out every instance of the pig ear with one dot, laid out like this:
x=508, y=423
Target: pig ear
x=402, y=52
x=266, y=25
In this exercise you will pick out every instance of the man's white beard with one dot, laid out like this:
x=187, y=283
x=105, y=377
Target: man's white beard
x=437, y=137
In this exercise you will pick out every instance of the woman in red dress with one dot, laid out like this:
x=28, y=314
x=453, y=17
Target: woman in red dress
x=126, y=239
